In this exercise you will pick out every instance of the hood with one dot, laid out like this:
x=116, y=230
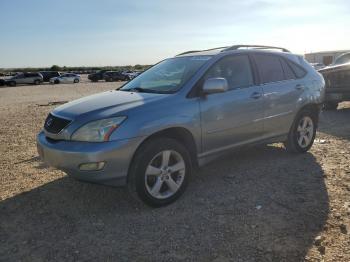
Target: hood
x=105, y=104
x=333, y=68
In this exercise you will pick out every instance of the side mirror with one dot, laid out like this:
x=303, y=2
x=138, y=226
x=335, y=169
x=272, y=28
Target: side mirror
x=215, y=85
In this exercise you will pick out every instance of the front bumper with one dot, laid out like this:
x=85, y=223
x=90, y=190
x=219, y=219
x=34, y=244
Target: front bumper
x=69, y=155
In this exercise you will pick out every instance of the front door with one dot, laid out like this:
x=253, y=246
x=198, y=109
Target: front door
x=233, y=117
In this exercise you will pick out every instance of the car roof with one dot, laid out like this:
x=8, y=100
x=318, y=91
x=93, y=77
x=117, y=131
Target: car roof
x=218, y=50
x=237, y=49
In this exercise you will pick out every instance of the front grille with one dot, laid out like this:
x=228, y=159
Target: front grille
x=54, y=124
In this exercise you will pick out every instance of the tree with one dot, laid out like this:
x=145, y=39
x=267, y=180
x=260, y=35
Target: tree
x=55, y=68
x=138, y=67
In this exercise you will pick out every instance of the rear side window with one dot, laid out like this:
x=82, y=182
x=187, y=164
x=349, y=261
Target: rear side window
x=235, y=69
x=31, y=74
x=269, y=67
x=288, y=72
x=298, y=70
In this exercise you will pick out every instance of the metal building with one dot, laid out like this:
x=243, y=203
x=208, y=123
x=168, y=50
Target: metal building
x=326, y=57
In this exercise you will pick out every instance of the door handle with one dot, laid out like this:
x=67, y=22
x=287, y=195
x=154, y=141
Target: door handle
x=299, y=87
x=255, y=95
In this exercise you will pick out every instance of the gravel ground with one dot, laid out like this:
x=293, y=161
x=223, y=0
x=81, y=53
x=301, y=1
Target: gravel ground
x=257, y=204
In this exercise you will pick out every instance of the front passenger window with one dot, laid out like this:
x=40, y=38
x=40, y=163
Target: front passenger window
x=235, y=69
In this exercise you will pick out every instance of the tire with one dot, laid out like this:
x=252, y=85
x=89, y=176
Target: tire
x=57, y=81
x=302, y=133
x=330, y=105
x=76, y=81
x=12, y=83
x=36, y=82
x=153, y=188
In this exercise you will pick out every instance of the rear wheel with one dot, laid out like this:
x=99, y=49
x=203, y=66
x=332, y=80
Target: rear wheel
x=36, y=82
x=76, y=80
x=57, y=81
x=160, y=171
x=330, y=105
x=302, y=134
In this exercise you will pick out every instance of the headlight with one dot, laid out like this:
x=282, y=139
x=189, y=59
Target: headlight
x=98, y=131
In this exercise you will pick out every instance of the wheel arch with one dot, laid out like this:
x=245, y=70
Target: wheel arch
x=312, y=108
x=180, y=134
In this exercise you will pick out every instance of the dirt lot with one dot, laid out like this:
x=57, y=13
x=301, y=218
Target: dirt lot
x=258, y=204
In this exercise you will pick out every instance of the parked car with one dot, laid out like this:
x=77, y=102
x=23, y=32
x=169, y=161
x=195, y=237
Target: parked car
x=152, y=132
x=130, y=74
x=111, y=76
x=97, y=76
x=337, y=78
x=25, y=78
x=317, y=66
x=47, y=75
x=342, y=59
x=67, y=78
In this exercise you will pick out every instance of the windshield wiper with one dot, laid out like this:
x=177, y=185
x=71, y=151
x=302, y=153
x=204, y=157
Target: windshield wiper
x=140, y=90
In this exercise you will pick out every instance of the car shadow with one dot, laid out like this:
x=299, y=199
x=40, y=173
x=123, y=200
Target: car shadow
x=336, y=123
x=257, y=204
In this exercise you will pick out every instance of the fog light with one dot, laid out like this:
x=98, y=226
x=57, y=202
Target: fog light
x=92, y=166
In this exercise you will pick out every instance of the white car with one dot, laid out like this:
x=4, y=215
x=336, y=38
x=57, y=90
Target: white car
x=65, y=79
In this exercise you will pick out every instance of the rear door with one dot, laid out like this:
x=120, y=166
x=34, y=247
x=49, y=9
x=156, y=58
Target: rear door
x=67, y=78
x=282, y=90
x=24, y=79
x=235, y=116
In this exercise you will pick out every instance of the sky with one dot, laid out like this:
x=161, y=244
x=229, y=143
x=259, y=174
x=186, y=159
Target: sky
x=37, y=33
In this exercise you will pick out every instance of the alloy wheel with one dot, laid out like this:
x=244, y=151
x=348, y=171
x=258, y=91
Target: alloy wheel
x=305, y=131
x=164, y=174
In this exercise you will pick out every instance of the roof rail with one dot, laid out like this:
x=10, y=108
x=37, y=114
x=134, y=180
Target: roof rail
x=197, y=51
x=236, y=47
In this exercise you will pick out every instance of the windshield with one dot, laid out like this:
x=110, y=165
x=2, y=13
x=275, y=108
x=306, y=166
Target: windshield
x=342, y=59
x=168, y=76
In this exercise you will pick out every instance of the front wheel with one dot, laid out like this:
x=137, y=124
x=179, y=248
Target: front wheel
x=302, y=134
x=12, y=83
x=160, y=171
x=37, y=82
x=76, y=81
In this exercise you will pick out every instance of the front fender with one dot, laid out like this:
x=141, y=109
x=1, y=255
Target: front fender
x=145, y=121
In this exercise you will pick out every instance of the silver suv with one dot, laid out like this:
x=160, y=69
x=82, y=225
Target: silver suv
x=25, y=78
x=182, y=113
